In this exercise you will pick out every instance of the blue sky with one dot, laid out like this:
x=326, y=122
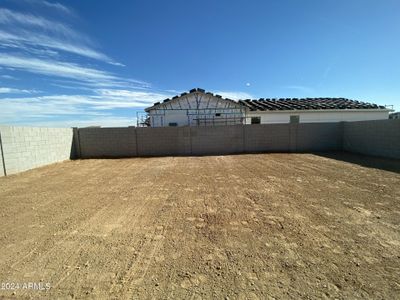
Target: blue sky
x=81, y=63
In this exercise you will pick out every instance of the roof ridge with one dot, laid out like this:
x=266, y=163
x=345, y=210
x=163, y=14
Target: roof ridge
x=294, y=103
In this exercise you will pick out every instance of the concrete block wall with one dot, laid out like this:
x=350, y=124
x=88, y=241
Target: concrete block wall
x=106, y=142
x=377, y=138
x=161, y=141
x=267, y=138
x=218, y=140
x=317, y=137
x=301, y=137
x=208, y=140
x=26, y=148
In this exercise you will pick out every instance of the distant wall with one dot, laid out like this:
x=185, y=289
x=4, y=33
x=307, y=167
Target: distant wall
x=268, y=138
x=28, y=147
x=293, y=137
x=217, y=140
x=318, y=137
x=377, y=138
x=208, y=140
x=106, y=142
x=162, y=141
x=25, y=148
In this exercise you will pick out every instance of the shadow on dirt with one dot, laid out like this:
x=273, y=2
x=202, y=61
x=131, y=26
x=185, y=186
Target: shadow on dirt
x=387, y=164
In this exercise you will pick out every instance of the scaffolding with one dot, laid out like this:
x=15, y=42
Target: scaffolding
x=215, y=117
x=142, y=119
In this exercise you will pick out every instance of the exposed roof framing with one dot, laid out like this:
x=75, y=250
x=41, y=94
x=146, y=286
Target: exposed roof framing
x=279, y=104
x=198, y=91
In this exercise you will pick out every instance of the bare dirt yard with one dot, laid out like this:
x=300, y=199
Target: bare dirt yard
x=218, y=227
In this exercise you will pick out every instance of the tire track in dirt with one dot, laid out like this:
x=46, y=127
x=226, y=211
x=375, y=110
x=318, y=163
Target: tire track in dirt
x=243, y=226
x=59, y=245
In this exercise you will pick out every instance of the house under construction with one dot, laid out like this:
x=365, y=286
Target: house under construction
x=201, y=108
x=196, y=108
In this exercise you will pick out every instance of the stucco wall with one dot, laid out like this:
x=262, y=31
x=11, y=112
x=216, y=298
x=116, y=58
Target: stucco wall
x=268, y=117
x=25, y=148
x=175, y=116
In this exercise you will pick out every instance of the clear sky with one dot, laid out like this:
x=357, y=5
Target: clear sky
x=80, y=63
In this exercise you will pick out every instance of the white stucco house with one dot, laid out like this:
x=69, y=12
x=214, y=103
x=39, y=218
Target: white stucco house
x=201, y=108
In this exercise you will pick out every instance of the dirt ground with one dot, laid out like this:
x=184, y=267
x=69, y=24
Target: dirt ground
x=219, y=227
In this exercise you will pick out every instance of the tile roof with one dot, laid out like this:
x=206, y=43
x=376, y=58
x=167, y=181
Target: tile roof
x=307, y=104
x=287, y=103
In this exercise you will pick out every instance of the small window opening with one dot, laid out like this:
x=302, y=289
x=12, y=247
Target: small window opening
x=295, y=119
x=173, y=124
x=255, y=120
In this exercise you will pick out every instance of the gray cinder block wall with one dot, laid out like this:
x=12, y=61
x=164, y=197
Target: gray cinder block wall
x=95, y=142
x=314, y=137
x=293, y=137
x=377, y=138
x=267, y=138
x=26, y=148
x=218, y=140
x=208, y=140
x=162, y=141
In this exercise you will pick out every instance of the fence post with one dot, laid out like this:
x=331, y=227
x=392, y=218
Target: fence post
x=342, y=138
x=293, y=137
x=136, y=142
x=2, y=156
x=244, y=138
x=76, y=143
x=190, y=138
